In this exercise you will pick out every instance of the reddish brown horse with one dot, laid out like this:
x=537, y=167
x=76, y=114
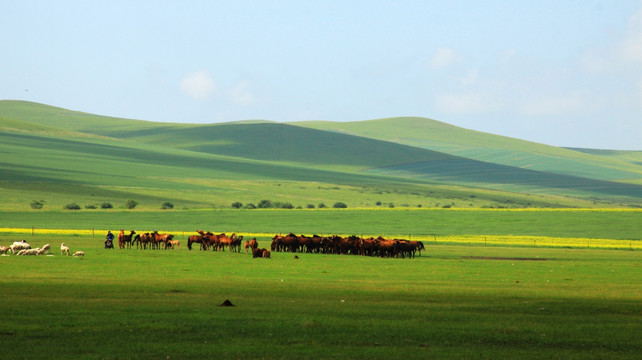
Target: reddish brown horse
x=142, y=240
x=225, y=241
x=199, y=239
x=251, y=245
x=158, y=239
x=125, y=239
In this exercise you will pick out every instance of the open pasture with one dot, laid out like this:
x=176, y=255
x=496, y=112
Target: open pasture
x=618, y=224
x=453, y=302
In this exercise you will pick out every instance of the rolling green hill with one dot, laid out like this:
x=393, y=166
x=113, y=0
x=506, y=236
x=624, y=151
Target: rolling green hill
x=63, y=156
x=430, y=134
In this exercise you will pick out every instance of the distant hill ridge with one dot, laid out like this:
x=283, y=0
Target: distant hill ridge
x=406, y=149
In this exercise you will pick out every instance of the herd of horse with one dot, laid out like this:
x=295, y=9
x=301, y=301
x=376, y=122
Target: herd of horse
x=151, y=240
x=350, y=245
x=219, y=242
x=334, y=244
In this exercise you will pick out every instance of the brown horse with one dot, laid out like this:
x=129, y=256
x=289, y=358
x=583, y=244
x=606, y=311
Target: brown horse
x=142, y=240
x=260, y=253
x=252, y=244
x=125, y=239
x=195, y=239
x=174, y=244
x=225, y=241
x=158, y=239
x=121, y=234
x=236, y=243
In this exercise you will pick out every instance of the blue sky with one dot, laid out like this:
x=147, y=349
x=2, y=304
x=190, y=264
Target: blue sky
x=564, y=73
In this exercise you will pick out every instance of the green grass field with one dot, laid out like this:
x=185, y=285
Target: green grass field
x=520, y=297
x=591, y=224
x=452, y=302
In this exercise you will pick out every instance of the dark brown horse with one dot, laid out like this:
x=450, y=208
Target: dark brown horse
x=125, y=239
x=142, y=240
x=199, y=239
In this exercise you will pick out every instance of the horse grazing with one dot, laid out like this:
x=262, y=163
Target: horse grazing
x=260, y=253
x=125, y=239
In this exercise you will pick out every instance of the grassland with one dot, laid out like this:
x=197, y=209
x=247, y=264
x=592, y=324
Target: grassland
x=565, y=223
x=452, y=302
x=63, y=156
x=540, y=285
x=437, y=136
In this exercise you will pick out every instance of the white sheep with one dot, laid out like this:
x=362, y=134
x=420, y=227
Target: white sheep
x=4, y=249
x=21, y=252
x=32, y=251
x=41, y=251
x=64, y=249
x=79, y=253
x=19, y=245
x=46, y=248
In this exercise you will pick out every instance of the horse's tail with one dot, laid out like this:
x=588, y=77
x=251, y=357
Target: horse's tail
x=189, y=243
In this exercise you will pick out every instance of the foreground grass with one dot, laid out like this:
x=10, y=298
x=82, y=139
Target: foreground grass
x=454, y=302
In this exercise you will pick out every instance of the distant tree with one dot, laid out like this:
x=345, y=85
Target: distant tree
x=130, y=204
x=106, y=205
x=91, y=206
x=167, y=205
x=321, y=206
x=391, y=205
x=37, y=204
x=72, y=206
x=378, y=203
x=310, y=206
x=339, y=205
x=287, y=205
x=249, y=206
x=237, y=205
x=264, y=204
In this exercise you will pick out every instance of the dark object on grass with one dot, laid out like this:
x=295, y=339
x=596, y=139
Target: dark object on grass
x=296, y=256
x=227, y=303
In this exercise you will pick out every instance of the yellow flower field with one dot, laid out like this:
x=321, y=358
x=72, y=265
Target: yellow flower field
x=495, y=240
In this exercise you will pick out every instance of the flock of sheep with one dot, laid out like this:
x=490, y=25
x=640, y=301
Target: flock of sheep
x=24, y=248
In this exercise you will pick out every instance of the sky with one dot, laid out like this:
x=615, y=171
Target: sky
x=563, y=73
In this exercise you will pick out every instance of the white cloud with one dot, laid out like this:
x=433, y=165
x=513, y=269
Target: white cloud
x=241, y=94
x=470, y=78
x=631, y=47
x=198, y=85
x=467, y=103
x=442, y=58
x=594, y=63
x=617, y=56
x=553, y=105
